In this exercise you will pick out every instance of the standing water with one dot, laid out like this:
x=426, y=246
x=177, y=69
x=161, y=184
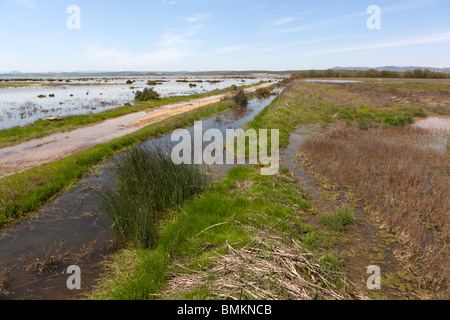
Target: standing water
x=25, y=105
x=71, y=231
x=434, y=123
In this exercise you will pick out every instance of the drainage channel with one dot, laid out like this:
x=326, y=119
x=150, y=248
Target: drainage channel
x=36, y=252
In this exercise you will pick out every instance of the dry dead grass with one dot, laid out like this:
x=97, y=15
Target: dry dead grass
x=386, y=95
x=266, y=269
x=406, y=184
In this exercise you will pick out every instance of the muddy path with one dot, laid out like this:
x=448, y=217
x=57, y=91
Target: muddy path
x=364, y=244
x=36, y=152
x=70, y=230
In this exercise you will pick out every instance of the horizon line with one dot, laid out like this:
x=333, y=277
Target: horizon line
x=216, y=71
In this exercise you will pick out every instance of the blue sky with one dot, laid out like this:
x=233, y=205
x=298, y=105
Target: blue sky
x=203, y=35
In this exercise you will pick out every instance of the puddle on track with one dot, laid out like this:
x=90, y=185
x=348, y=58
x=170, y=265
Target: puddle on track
x=71, y=231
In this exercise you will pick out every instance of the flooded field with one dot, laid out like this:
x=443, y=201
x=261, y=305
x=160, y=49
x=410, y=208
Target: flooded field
x=70, y=230
x=20, y=106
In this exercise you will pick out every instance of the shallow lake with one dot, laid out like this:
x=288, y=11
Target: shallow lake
x=22, y=106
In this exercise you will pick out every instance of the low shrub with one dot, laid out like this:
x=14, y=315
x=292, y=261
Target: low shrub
x=240, y=99
x=147, y=94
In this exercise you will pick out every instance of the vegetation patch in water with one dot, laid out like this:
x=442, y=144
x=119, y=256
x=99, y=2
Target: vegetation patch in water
x=148, y=184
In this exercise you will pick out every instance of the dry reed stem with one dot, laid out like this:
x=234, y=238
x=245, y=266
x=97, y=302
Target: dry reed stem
x=406, y=183
x=269, y=269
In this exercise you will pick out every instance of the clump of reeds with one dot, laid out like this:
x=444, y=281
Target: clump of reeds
x=148, y=184
x=339, y=220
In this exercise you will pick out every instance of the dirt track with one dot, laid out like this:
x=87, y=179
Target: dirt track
x=160, y=116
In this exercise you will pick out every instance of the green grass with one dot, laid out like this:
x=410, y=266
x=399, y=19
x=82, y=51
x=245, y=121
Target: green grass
x=43, y=128
x=198, y=232
x=18, y=84
x=338, y=221
x=148, y=184
x=23, y=193
x=310, y=103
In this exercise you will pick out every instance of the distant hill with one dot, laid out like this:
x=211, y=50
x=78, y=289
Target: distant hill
x=204, y=73
x=392, y=68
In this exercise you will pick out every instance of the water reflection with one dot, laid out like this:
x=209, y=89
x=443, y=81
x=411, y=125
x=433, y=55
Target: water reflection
x=73, y=231
x=434, y=123
x=25, y=105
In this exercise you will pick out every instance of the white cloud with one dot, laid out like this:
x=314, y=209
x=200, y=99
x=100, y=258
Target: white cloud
x=230, y=49
x=326, y=22
x=196, y=17
x=434, y=38
x=171, y=2
x=29, y=4
x=283, y=21
x=170, y=39
x=292, y=45
x=405, y=5
x=170, y=50
x=111, y=59
x=415, y=4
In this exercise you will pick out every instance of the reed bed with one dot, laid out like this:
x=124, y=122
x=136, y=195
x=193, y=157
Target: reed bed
x=148, y=184
x=405, y=183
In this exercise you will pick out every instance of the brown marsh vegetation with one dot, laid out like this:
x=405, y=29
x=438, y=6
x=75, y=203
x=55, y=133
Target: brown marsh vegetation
x=369, y=148
x=404, y=182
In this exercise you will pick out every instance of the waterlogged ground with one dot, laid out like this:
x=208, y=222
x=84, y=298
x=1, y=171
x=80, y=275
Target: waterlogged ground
x=434, y=123
x=365, y=243
x=70, y=231
x=20, y=106
x=36, y=152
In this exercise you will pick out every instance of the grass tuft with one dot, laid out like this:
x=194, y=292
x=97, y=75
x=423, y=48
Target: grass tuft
x=338, y=221
x=148, y=184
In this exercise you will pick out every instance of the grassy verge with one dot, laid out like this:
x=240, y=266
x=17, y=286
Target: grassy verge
x=23, y=193
x=43, y=128
x=246, y=238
